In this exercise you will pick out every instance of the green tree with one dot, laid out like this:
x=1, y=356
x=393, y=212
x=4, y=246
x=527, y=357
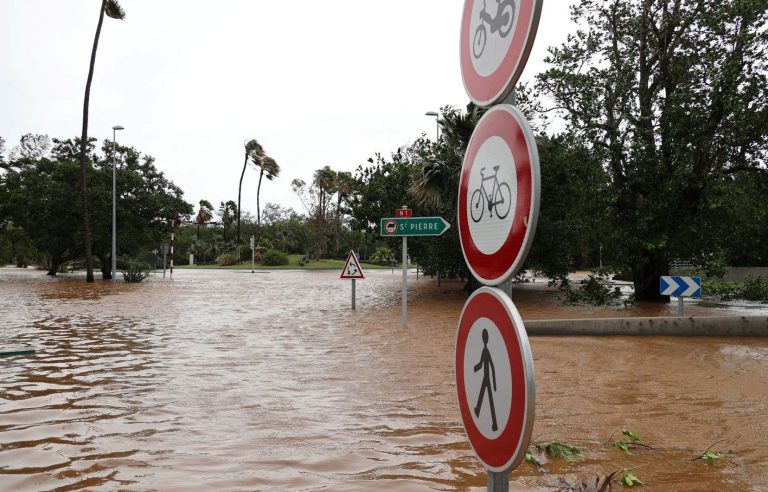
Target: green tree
x=228, y=213
x=112, y=9
x=672, y=98
x=269, y=168
x=204, y=215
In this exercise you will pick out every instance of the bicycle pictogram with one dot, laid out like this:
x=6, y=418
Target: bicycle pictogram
x=499, y=200
x=501, y=23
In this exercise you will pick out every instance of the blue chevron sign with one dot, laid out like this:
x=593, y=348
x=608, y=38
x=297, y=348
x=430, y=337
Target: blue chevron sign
x=680, y=286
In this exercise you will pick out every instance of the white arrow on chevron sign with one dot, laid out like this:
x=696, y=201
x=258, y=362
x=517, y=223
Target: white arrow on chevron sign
x=692, y=286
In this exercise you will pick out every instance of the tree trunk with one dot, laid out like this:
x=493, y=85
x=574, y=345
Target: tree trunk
x=239, y=194
x=106, y=266
x=258, y=207
x=83, y=151
x=54, y=267
x=646, y=279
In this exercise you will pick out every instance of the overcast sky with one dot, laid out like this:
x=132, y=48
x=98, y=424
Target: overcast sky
x=315, y=82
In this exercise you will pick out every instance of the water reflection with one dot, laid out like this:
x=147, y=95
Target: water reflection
x=220, y=380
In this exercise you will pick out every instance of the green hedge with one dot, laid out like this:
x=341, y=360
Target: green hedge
x=274, y=257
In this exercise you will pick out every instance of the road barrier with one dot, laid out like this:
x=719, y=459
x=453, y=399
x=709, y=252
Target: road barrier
x=691, y=326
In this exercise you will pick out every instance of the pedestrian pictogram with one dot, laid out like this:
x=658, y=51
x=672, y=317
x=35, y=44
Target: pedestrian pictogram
x=495, y=380
x=352, y=268
x=489, y=373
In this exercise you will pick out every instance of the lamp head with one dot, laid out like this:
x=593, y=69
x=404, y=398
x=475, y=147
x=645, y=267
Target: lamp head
x=118, y=127
x=431, y=113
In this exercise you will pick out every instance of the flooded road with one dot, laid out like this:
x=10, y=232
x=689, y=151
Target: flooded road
x=220, y=380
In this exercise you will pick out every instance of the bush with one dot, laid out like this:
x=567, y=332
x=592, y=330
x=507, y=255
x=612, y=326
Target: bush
x=227, y=259
x=274, y=257
x=593, y=291
x=258, y=252
x=751, y=289
x=136, y=272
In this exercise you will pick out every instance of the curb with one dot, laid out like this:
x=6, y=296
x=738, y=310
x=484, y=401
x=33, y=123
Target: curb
x=691, y=326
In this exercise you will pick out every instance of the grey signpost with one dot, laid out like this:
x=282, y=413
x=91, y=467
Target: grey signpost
x=165, y=255
x=253, y=254
x=405, y=225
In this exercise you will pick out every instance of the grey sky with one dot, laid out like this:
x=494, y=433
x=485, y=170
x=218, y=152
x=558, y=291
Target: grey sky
x=315, y=82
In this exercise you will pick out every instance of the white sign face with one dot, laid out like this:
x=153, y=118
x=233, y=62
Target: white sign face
x=488, y=378
x=491, y=27
x=491, y=206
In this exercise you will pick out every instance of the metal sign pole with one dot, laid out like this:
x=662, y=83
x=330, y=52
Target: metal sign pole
x=680, y=306
x=498, y=482
x=353, y=293
x=405, y=281
x=253, y=254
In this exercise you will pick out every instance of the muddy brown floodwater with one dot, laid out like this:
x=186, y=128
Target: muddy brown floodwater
x=220, y=380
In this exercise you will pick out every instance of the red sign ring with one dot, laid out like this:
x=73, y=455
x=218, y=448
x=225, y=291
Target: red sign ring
x=508, y=449
x=508, y=123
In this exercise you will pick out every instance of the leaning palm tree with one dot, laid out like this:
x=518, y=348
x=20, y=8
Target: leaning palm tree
x=253, y=151
x=344, y=187
x=271, y=170
x=204, y=215
x=115, y=11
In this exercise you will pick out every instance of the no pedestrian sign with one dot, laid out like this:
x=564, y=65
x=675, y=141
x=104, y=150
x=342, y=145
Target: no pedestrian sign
x=499, y=192
x=495, y=380
x=496, y=39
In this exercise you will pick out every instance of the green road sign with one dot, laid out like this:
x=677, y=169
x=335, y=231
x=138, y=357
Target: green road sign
x=414, y=226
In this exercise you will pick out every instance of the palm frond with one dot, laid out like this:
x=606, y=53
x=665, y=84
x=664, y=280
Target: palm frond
x=114, y=10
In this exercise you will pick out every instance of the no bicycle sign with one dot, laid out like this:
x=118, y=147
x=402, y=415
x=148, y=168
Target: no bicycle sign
x=499, y=192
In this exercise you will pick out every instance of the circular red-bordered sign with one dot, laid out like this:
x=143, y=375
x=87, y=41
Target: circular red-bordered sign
x=495, y=380
x=496, y=39
x=499, y=193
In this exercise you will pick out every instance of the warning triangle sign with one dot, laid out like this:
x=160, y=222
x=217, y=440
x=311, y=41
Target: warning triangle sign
x=352, y=267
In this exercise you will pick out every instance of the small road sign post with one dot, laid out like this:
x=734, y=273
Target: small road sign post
x=495, y=382
x=404, y=225
x=164, y=247
x=680, y=287
x=253, y=254
x=353, y=272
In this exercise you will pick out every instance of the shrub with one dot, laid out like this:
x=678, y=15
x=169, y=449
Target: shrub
x=274, y=257
x=227, y=259
x=593, y=291
x=136, y=272
x=258, y=252
x=756, y=289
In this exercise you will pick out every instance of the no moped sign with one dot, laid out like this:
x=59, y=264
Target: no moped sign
x=495, y=381
x=499, y=193
x=496, y=39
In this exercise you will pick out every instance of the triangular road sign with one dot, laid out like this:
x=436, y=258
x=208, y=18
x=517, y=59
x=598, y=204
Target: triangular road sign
x=352, y=267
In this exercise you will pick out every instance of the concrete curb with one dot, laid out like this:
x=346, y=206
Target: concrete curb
x=692, y=326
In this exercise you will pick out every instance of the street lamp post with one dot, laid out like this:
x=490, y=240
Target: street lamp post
x=437, y=123
x=114, y=204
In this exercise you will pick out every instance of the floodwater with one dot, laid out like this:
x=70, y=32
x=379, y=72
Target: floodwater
x=222, y=380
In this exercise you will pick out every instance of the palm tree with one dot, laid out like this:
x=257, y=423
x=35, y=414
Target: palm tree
x=204, y=215
x=115, y=11
x=271, y=169
x=437, y=176
x=344, y=187
x=253, y=151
